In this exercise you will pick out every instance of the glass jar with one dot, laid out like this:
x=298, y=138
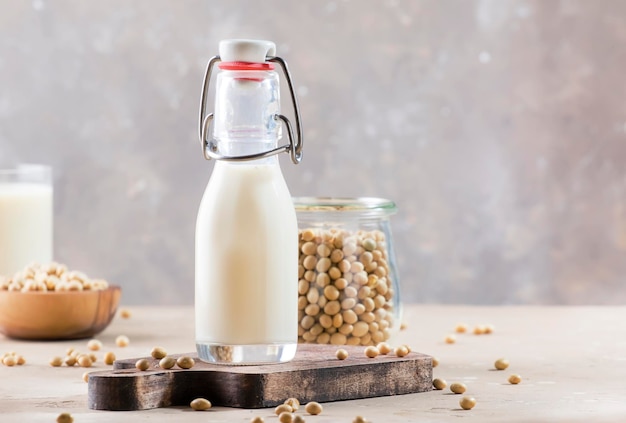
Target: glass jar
x=348, y=288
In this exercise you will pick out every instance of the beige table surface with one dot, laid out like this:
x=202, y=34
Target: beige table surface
x=572, y=361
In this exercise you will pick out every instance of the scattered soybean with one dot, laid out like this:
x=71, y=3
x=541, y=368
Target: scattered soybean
x=313, y=408
x=467, y=403
x=458, y=388
x=94, y=344
x=200, y=404
x=65, y=418
x=109, y=358
x=158, y=353
x=514, y=379
x=401, y=351
x=383, y=348
x=371, y=352
x=341, y=354
x=439, y=384
x=142, y=364
x=122, y=341
x=84, y=360
x=501, y=364
x=56, y=361
x=167, y=362
x=185, y=362
x=283, y=408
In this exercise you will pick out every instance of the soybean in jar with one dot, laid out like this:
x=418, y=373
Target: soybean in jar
x=348, y=288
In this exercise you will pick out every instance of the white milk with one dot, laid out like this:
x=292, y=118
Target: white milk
x=246, y=258
x=25, y=225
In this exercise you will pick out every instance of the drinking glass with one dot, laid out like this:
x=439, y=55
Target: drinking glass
x=25, y=217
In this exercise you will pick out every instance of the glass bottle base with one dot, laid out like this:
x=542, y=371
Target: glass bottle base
x=246, y=354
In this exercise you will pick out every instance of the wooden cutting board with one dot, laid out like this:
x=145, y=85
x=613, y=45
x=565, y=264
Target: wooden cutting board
x=313, y=375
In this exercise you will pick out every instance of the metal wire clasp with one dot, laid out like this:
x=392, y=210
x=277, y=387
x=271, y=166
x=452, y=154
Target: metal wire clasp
x=204, y=122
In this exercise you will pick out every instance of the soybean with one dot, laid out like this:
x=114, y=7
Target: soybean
x=461, y=328
x=514, y=379
x=341, y=354
x=467, y=403
x=283, y=408
x=285, y=417
x=56, y=361
x=109, y=358
x=122, y=341
x=200, y=404
x=185, y=362
x=401, y=351
x=94, y=345
x=371, y=352
x=313, y=408
x=158, y=353
x=167, y=362
x=501, y=364
x=84, y=360
x=439, y=384
x=458, y=388
x=142, y=364
x=65, y=418
x=383, y=348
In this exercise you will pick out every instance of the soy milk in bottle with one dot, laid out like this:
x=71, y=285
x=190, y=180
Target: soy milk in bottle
x=246, y=232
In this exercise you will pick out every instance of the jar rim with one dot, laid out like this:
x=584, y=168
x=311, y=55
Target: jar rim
x=345, y=204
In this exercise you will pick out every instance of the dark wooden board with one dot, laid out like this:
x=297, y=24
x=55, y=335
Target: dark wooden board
x=313, y=375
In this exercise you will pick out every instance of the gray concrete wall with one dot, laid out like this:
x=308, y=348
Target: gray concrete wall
x=498, y=127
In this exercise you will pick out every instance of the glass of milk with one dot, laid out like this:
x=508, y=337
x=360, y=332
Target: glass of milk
x=25, y=217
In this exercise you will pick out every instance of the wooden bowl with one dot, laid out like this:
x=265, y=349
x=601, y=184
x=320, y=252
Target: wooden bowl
x=57, y=315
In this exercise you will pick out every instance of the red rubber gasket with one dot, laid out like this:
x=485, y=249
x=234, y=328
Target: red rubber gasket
x=246, y=66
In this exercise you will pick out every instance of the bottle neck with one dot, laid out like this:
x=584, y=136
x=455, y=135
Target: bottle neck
x=246, y=105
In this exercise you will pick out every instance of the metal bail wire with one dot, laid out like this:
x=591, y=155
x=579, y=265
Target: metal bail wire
x=209, y=149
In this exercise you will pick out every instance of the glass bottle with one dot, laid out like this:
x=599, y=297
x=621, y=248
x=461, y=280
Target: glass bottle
x=246, y=230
